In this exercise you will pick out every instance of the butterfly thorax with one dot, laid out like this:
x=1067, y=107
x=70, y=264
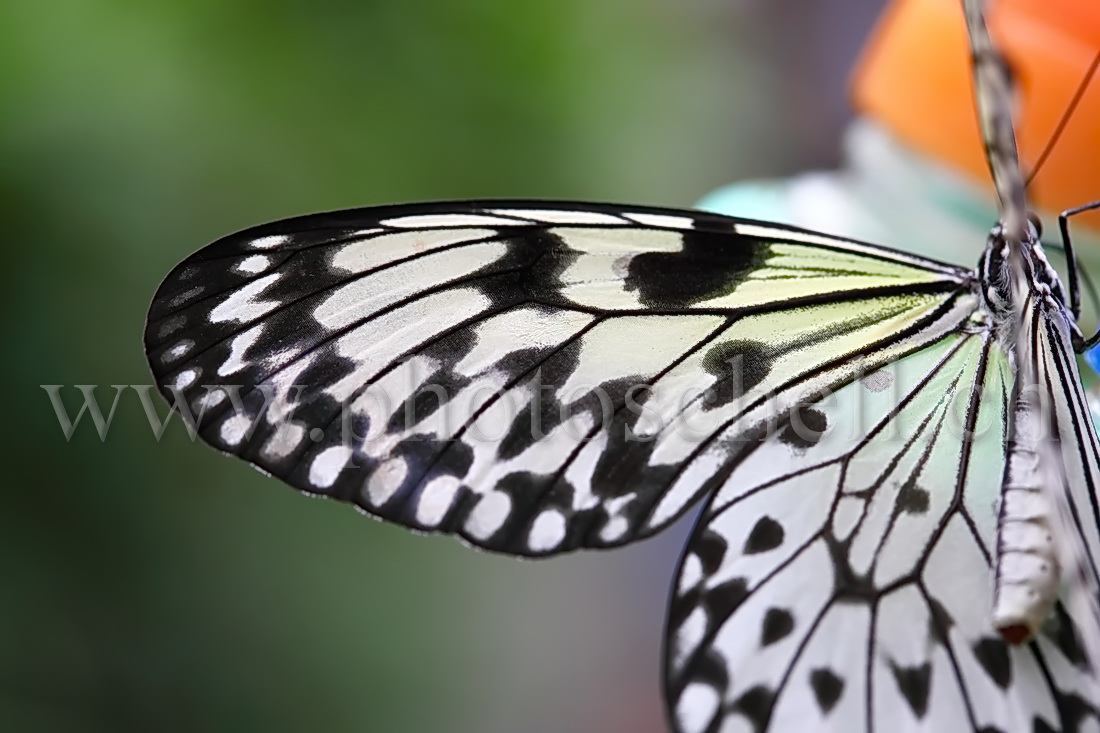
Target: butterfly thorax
x=999, y=292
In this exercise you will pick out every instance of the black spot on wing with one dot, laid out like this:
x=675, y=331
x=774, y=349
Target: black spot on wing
x=534, y=422
x=436, y=391
x=766, y=535
x=443, y=384
x=738, y=366
x=1065, y=637
x=992, y=654
x=1038, y=725
x=616, y=471
x=805, y=429
x=1073, y=711
x=915, y=684
x=756, y=705
x=722, y=600
x=711, y=548
x=939, y=622
x=912, y=498
x=778, y=623
x=709, y=668
x=534, y=262
x=544, y=412
x=683, y=604
x=827, y=688
x=453, y=348
x=709, y=265
x=542, y=276
x=455, y=462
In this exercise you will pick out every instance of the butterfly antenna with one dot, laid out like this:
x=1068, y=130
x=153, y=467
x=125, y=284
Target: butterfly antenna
x=993, y=94
x=1066, y=115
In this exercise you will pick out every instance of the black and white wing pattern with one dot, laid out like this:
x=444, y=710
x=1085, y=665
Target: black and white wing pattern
x=537, y=378
x=533, y=378
x=841, y=580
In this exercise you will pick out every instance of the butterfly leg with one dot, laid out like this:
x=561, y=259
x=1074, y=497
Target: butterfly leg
x=1071, y=264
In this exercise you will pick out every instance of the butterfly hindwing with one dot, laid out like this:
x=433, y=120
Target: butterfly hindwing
x=1073, y=453
x=532, y=377
x=842, y=582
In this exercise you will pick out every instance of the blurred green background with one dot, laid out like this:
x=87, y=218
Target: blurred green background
x=155, y=585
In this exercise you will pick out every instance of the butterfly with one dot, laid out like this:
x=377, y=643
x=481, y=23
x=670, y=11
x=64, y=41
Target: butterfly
x=895, y=458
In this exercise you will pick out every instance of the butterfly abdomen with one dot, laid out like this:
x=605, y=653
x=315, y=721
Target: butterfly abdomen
x=1026, y=584
x=1027, y=571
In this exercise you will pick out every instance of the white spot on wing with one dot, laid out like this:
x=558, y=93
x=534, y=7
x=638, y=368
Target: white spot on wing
x=373, y=345
x=696, y=707
x=170, y=326
x=617, y=524
x=241, y=343
x=615, y=528
x=427, y=221
x=769, y=232
x=436, y=500
x=561, y=216
x=366, y=295
x=368, y=254
x=242, y=305
x=186, y=378
x=212, y=398
x=524, y=327
x=178, y=350
x=690, y=574
x=185, y=296
x=284, y=393
x=619, y=241
x=327, y=465
x=234, y=429
x=689, y=636
x=269, y=242
x=284, y=441
x=662, y=220
x=386, y=480
x=253, y=264
x=489, y=515
x=642, y=345
x=547, y=532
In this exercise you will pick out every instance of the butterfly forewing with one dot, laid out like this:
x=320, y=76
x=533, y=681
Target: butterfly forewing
x=534, y=378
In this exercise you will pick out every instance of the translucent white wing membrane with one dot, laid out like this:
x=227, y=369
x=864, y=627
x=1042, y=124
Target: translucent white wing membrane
x=1075, y=458
x=845, y=585
x=537, y=378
